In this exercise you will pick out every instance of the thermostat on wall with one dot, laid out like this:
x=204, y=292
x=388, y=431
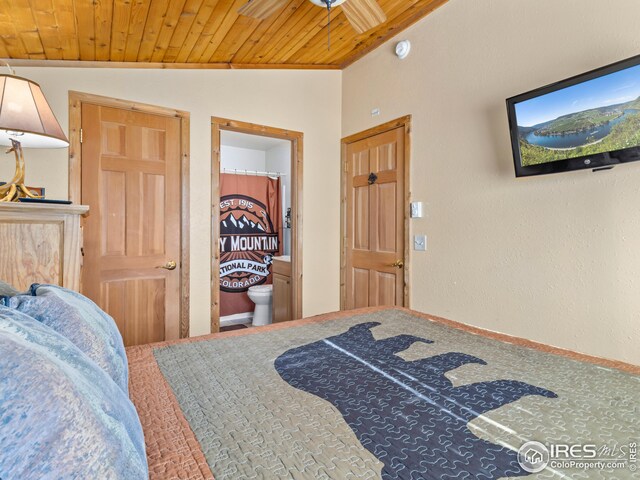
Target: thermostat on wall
x=416, y=209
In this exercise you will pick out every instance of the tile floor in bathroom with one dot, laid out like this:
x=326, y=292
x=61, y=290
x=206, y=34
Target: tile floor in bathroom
x=233, y=327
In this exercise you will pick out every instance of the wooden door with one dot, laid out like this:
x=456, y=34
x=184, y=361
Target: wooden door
x=374, y=250
x=131, y=182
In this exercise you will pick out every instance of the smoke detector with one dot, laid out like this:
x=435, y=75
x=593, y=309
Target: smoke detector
x=403, y=48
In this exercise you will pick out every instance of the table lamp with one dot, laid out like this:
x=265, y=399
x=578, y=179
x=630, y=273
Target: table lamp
x=26, y=120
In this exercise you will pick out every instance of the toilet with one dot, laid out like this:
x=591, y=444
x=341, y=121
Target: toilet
x=262, y=296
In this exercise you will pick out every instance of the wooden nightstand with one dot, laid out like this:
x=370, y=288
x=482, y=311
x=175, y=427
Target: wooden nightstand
x=40, y=243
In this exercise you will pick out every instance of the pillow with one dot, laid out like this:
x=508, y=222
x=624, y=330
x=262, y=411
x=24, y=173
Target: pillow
x=81, y=321
x=60, y=415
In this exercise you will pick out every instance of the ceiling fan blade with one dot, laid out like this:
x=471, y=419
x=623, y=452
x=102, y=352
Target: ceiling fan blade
x=363, y=15
x=261, y=9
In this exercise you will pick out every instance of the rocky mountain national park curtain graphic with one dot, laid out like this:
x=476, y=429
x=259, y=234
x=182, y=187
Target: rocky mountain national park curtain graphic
x=250, y=236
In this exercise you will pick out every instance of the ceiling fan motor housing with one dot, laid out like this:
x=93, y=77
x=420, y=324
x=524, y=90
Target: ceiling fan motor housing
x=323, y=3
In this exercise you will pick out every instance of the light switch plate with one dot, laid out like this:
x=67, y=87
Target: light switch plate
x=416, y=209
x=420, y=243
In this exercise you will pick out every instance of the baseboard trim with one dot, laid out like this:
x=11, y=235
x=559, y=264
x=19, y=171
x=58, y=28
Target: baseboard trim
x=236, y=319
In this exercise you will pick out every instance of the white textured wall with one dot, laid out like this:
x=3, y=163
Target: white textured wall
x=242, y=158
x=307, y=101
x=278, y=159
x=555, y=259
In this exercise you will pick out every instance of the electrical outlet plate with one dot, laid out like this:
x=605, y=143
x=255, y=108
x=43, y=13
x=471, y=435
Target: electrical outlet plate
x=420, y=243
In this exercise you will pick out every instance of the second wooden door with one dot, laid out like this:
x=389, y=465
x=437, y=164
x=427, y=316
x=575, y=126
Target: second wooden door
x=374, y=211
x=131, y=182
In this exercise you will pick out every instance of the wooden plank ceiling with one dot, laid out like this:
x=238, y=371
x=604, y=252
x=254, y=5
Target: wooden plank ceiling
x=191, y=33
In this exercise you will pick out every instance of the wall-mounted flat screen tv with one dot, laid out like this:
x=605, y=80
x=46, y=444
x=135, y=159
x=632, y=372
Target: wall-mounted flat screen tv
x=587, y=121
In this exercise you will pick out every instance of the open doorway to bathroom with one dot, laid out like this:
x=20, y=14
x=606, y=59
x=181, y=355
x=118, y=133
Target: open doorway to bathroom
x=256, y=274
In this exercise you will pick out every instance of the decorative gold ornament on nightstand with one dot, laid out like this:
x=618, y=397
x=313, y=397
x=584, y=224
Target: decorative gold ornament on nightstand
x=26, y=120
x=16, y=188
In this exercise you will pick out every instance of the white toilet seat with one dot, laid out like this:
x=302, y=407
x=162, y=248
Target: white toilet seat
x=262, y=289
x=262, y=296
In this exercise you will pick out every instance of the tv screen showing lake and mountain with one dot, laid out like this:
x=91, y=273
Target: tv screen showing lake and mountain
x=593, y=117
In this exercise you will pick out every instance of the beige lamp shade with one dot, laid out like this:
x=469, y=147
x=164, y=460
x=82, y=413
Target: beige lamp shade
x=25, y=115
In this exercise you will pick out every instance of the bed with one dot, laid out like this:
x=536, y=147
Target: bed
x=379, y=393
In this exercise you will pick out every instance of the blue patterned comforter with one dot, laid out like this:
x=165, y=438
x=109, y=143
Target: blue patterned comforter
x=61, y=413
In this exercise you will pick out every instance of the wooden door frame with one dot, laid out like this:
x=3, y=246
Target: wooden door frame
x=76, y=99
x=385, y=127
x=296, y=138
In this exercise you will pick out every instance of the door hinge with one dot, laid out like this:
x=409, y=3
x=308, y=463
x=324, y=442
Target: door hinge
x=346, y=167
x=80, y=135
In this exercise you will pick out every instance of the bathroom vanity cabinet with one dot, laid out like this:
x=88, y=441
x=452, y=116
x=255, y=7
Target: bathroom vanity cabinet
x=282, y=291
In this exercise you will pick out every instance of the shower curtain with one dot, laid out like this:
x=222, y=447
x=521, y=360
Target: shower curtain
x=250, y=236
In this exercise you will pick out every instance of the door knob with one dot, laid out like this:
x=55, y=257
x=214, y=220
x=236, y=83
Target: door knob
x=170, y=265
x=398, y=263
